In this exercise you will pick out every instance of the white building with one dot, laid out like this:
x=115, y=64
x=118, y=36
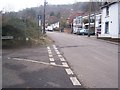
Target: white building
x=110, y=20
x=77, y=24
x=56, y=25
x=98, y=24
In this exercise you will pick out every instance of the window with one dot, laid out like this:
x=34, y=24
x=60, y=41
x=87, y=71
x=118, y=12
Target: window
x=106, y=27
x=107, y=11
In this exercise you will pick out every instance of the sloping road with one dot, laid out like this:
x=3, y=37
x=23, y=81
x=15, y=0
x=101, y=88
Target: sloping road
x=94, y=61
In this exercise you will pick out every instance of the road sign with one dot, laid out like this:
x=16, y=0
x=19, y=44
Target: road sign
x=39, y=17
x=7, y=37
x=40, y=23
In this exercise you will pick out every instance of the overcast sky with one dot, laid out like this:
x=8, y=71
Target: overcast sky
x=16, y=5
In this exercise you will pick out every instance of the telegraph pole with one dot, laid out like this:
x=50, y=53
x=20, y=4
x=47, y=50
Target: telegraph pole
x=44, y=16
x=89, y=18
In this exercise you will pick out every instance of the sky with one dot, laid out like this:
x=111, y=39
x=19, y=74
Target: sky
x=16, y=5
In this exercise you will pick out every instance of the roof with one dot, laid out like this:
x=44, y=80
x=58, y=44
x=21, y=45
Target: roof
x=109, y=4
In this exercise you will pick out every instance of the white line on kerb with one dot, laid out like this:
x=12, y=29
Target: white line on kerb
x=51, y=56
x=75, y=81
x=52, y=63
x=60, y=56
x=51, y=59
x=62, y=59
x=54, y=47
x=65, y=64
x=33, y=61
x=48, y=47
x=58, y=52
x=69, y=71
x=49, y=50
x=50, y=53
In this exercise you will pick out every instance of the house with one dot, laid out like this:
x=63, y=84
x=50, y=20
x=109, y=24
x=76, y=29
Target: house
x=110, y=20
x=98, y=24
x=71, y=19
x=92, y=23
x=82, y=22
x=77, y=24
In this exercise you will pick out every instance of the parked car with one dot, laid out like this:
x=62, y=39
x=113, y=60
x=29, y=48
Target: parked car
x=74, y=30
x=84, y=32
x=78, y=31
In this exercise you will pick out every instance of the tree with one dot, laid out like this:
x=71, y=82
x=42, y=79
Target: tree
x=52, y=14
x=58, y=15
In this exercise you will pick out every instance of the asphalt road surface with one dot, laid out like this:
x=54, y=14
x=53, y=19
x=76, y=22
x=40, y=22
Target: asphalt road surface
x=40, y=67
x=94, y=61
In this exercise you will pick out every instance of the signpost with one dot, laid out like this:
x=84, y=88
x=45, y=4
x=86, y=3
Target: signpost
x=39, y=24
x=6, y=37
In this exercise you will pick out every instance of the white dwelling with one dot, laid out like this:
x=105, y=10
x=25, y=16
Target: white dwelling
x=110, y=20
x=98, y=24
x=77, y=24
x=56, y=25
x=74, y=26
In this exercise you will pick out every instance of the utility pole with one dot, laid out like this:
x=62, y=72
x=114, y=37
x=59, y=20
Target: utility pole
x=89, y=18
x=44, y=16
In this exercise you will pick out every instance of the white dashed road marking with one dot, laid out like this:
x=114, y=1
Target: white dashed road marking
x=48, y=48
x=75, y=81
x=58, y=53
x=69, y=71
x=52, y=59
x=65, y=64
x=50, y=53
x=62, y=59
x=60, y=56
x=54, y=47
x=51, y=56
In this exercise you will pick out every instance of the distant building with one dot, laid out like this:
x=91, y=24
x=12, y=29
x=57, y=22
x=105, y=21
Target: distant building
x=110, y=20
x=77, y=24
x=86, y=23
x=71, y=20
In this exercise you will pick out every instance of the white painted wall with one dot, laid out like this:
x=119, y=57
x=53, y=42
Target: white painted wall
x=113, y=20
x=98, y=17
x=114, y=24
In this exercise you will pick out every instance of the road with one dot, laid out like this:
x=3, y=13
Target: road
x=95, y=62
x=36, y=67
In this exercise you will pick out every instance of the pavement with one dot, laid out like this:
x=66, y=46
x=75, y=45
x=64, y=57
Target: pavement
x=94, y=61
x=38, y=67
